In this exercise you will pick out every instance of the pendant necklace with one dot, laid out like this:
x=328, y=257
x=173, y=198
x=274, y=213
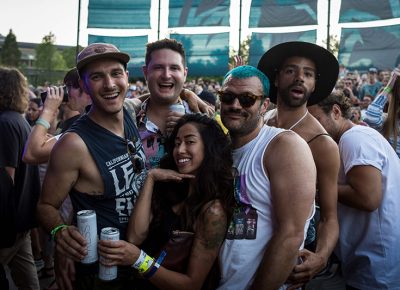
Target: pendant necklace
x=301, y=119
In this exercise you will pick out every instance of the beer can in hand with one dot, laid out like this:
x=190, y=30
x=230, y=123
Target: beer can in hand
x=108, y=273
x=87, y=226
x=177, y=107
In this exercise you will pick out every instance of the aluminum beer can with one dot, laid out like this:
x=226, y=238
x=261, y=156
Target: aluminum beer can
x=108, y=273
x=87, y=226
x=178, y=107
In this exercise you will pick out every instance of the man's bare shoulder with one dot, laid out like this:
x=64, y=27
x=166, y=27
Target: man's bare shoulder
x=70, y=144
x=287, y=143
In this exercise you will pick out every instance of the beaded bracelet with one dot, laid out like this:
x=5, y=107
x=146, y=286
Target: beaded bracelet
x=57, y=229
x=156, y=265
x=43, y=122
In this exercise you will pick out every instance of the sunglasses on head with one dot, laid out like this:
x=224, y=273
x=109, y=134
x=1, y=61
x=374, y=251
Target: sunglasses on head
x=246, y=100
x=137, y=161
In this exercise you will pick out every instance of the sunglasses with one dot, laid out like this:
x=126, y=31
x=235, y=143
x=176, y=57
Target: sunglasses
x=245, y=100
x=137, y=161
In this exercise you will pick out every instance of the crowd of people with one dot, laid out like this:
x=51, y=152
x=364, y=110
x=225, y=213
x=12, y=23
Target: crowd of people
x=261, y=181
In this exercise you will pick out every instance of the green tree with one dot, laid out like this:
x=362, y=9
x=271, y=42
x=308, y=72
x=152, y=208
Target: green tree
x=334, y=44
x=10, y=54
x=69, y=55
x=48, y=58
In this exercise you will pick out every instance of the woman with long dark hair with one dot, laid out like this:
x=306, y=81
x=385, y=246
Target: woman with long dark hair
x=181, y=216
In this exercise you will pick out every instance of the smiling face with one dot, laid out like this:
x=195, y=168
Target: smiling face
x=188, y=151
x=295, y=81
x=239, y=120
x=165, y=75
x=106, y=81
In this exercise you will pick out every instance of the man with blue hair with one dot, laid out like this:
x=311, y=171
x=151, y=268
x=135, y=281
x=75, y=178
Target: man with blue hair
x=274, y=188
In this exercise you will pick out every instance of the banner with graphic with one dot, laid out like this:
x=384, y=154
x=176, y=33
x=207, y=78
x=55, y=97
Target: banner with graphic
x=277, y=13
x=126, y=14
x=193, y=13
x=135, y=46
x=261, y=42
x=206, y=54
x=361, y=10
x=361, y=48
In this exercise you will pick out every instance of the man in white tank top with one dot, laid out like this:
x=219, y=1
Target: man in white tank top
x=274, y=188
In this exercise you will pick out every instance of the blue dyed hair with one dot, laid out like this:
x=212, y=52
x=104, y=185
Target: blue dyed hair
x=248, y=71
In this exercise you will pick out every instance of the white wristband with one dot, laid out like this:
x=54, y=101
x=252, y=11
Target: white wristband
x=140, y=260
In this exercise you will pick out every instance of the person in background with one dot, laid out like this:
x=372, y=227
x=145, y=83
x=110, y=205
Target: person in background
x=191, y=192
x=356, y=116
x=23, y=180
x=372, y=85
x=368, y=245
x=34, y=109
x=388, y=124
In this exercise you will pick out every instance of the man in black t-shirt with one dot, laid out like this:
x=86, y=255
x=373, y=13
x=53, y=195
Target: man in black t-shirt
x=15, y=251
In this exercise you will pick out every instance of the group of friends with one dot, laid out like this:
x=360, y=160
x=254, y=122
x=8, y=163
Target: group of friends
x=262, y=207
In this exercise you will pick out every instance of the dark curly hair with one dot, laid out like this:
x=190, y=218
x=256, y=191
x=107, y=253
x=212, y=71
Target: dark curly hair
x=214, y=178
x=165, y=43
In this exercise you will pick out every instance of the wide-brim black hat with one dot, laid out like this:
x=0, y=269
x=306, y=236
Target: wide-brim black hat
x=325, y=62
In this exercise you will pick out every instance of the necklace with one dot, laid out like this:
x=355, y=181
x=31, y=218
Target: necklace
x=301, y=119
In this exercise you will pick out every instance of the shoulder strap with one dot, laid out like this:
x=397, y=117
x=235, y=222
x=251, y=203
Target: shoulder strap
x=316, y=136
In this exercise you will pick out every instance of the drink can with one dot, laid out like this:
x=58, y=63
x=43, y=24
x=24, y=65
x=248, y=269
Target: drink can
x=178, y=107
x=108, y=273
x=87, y=226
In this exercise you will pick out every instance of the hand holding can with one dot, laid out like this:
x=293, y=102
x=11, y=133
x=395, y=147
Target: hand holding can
x=108, y=273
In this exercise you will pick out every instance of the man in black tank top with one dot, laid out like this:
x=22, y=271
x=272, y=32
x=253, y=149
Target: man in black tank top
x=303, y=74
x=93, y=163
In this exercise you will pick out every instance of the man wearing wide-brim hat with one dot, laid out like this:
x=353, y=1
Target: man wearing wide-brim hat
x=302, y=74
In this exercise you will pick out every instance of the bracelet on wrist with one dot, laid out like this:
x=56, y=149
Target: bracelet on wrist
x=143, y=263
x=43, y=122
x=155, y=266
x=56, y=230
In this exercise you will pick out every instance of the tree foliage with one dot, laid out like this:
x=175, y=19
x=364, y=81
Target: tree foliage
x=47, y=56
x=10, y=54
x=69, y=55
x=334, y=44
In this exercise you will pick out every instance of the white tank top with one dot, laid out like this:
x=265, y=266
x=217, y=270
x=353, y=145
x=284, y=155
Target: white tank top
x=252, y=224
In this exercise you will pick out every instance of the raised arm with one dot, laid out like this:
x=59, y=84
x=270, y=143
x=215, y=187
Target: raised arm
x=141, y=217
x=39, y=144
x=374, y=115
x=292, y=174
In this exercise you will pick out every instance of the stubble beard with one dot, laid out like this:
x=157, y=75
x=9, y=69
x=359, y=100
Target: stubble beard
x=284, y=96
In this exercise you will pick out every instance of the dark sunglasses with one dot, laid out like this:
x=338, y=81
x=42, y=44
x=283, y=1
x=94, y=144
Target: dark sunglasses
x=137, y=161
x=246, y=100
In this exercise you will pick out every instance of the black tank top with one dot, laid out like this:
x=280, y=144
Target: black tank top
x=121, y=184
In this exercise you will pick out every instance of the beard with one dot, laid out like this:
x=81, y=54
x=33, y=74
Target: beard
x=285, y=97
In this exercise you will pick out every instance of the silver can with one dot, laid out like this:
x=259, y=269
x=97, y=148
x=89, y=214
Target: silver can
x=178, y=107
x=108, y=273
x=87, y=226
